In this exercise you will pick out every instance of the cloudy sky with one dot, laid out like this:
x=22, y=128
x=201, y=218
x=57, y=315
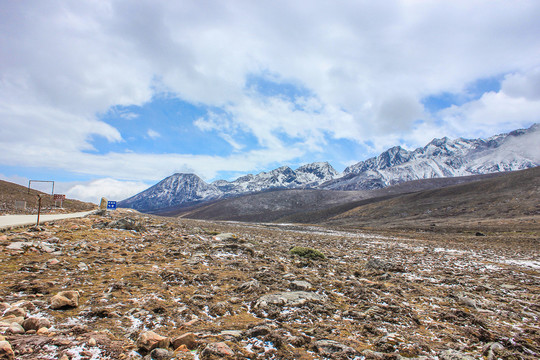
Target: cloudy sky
x=108, y=97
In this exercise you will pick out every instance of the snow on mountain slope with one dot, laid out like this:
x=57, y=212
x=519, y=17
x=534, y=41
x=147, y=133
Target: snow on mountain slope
x=444, y=157
x=172, y=191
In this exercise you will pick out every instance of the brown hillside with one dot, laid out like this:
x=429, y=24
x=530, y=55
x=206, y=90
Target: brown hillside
x=510, y=199
x=10, y=192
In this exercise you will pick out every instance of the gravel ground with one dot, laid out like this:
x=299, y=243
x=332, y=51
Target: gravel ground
x=126, y=285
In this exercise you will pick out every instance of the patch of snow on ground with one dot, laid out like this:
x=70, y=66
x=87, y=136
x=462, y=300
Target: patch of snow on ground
x=75, y=353
x=526, y=263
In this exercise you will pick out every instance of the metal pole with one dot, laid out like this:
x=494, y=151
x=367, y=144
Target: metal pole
x=39, y=209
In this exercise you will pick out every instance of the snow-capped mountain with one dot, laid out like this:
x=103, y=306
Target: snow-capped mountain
x=516, y=150
x=183, y=189
x=175, y=190
x=444, y=157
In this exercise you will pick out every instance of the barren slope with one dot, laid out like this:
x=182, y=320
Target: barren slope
x=512, y=198
x=305, y=205
x=10, y=192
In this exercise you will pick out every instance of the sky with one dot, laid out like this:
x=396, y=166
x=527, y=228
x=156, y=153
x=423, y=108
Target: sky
x=108, y=97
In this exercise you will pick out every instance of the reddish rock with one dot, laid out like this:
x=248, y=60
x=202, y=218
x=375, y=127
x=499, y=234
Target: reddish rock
x=6, y=352
x=187, y=339
x=219, y=349
x=149, y=340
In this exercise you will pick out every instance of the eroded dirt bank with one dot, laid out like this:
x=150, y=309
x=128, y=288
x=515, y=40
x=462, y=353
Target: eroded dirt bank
x=133, y=286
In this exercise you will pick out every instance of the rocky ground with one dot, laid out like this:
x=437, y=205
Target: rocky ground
x=128, y=286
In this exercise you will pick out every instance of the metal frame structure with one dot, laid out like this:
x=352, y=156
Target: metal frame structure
x=47, y=181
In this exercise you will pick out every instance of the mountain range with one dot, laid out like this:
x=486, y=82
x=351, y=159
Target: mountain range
x=441, y=158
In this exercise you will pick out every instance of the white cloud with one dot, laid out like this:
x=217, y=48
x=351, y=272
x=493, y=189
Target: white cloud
x=494, y=110
x=153, y=134
x=109, y=188
x=366, y=64
x=525, y=85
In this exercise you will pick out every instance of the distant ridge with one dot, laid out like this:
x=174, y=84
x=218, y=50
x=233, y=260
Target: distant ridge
x=441, y=158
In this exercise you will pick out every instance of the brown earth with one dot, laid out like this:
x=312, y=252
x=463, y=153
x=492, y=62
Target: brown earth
x=10, y=192
x=376, y=295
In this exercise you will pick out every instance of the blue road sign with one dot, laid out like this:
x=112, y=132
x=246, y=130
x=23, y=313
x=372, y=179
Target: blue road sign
x=111, y=205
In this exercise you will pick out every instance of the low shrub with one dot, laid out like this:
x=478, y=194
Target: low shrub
x=307, y=252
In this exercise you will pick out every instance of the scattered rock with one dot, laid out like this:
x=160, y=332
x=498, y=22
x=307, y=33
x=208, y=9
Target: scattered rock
x=478, y=233
x=288, y=298
x=226, y=237
x=34, y=323
x=6, y=351
x=453, y=355
x=187, y=339
x=65, y=300
x=376, y=264
x=258, y=331
x=127, y=224
x=15, y=328
x=301, y=285
x=159, y=354
x=15, y=311
x=219, y=349
x=334, y=349
x=149, y=340
x=249, y=286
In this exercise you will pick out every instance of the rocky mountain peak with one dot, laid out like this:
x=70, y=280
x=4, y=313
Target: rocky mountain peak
x=442, y=157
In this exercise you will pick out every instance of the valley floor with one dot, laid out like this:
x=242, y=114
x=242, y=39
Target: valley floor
x=215, y=289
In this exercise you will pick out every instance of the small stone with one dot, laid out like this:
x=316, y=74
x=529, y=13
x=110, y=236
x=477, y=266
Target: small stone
x=333, y=349
x=15, y=328
x=19, y=245
x=34, y=323
x=161, y=354
x=149, y=340
x=13, y=319
x=6, y=352
x=226, y=237
x=219, y=349
x=92, y=342
x=64, y=357
x=187, y=339
x=231, y=334
x=453, y=355
x=82, y=266
x=16, y=311
x=258, y=331
x=65, y=299
x=43, y=331
x=182, y=348
x=54, y=261
x=301, y=285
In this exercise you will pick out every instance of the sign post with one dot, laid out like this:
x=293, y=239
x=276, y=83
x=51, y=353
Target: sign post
x=58, y=197
x=111, y=205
